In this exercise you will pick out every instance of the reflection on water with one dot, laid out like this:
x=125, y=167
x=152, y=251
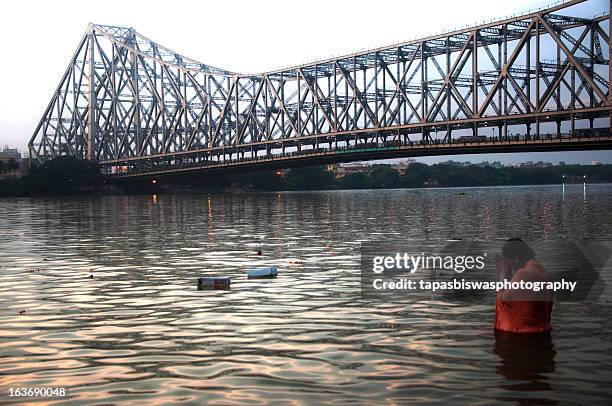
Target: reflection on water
x=526, y=360
x=140, y=331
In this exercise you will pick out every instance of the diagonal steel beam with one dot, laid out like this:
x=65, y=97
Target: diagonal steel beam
x=573, y=61
x=519, y=46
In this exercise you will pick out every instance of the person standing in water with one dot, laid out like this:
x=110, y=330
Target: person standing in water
x=522, y=311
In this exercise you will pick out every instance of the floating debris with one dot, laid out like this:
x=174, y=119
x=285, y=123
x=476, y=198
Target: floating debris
x=270, y=272
x=214, y=283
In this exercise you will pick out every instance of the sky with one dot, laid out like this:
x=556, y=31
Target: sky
x=37, y=40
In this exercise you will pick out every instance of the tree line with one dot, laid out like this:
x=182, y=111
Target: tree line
x=419, y=175
x=61, y=176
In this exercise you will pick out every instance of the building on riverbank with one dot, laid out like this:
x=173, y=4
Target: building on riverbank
x=341, y=170
x=11, y=165
x=8, y=154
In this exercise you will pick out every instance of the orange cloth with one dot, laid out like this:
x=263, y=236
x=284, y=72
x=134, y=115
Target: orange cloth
x=515, y=313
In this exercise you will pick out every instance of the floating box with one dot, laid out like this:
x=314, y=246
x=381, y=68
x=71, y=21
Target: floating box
x=214, y=282
x=270, y=272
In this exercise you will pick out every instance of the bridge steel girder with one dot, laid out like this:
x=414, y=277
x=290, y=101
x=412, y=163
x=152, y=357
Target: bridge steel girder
x=126, y=101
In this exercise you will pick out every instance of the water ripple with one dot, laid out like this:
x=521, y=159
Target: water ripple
x=138, y=331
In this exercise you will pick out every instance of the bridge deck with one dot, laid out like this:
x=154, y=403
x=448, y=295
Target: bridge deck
x=191, y=164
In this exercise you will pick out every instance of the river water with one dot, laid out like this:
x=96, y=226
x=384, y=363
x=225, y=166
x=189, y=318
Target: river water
x=140, y=332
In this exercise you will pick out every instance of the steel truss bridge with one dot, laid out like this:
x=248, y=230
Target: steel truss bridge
x=535, y=82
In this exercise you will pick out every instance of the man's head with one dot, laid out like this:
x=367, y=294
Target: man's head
x=516, y=253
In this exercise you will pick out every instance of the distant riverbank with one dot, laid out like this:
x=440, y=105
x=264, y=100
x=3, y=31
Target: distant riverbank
x=70, y=176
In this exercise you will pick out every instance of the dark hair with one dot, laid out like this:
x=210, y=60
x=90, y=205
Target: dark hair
x=517, y=249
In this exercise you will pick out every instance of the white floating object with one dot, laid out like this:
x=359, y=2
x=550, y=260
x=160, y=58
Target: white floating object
x=270, y=272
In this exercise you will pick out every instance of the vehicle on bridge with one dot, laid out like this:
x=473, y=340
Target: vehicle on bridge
x=471, y=138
